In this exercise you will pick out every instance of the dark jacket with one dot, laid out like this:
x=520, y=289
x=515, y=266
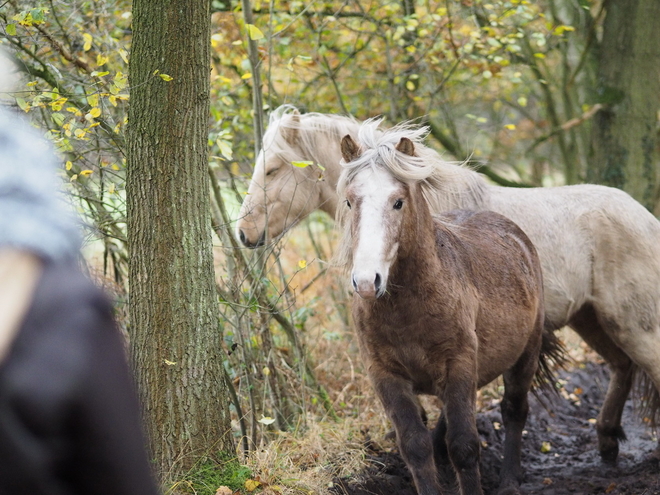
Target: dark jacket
x=69, y=418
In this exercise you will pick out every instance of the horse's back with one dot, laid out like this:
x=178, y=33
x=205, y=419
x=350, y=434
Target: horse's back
x=597, y=245
x=488, y=234
x=493, y=253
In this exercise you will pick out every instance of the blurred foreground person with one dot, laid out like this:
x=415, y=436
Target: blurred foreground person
x=69, y=417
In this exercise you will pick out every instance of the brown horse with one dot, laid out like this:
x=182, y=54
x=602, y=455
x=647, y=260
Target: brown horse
x=599, y=248
x=442, y=306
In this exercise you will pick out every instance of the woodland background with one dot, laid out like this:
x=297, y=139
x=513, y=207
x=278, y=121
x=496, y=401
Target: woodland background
x=539, y=93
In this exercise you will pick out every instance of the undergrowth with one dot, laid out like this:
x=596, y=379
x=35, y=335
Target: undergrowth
x=212, y=473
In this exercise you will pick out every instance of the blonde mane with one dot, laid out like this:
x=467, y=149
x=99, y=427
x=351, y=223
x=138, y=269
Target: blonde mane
x=445, y=186
x=315, y=133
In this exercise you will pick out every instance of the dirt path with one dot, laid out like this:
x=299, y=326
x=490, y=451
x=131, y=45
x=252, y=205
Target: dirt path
x=559, y=450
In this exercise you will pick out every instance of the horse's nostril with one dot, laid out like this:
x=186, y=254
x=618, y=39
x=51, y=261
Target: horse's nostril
x=354, y=282
x=377, y=282
x=241, y=236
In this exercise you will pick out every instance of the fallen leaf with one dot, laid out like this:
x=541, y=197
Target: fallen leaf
x=251, y=485
x=224, y=490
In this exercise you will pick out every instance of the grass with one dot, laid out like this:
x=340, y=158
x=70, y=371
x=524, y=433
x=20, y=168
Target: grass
x=212, y=473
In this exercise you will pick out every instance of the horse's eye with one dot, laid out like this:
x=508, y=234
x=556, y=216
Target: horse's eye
x=348, y=203
x=271, y=171
x=398, y=204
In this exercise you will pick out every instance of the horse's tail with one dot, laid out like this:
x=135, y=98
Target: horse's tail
x=647, y=398
x=553, y=356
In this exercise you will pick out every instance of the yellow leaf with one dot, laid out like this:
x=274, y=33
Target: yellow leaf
x=254, y=32
x=251, y=485
x=111, y=189
x=266, y=371
x=114, y=166
x=165, y=77
x=302, y=264
x=169, y=363
x=247, y=75
x=266, y=420
x=95, y=112
x=101, y=60
x=522, y=101
x=58, y=104
x=124, y=55
x=302, y=164
x=511, y=127
x=80, y=133
x=73, y=177
x=93, y=100
x=11, y=29
x=546, y=447
x=86, y=173
x=235, y=169
x=113, y=100
x=68, y=165
x=88, y=42
x=540, y=55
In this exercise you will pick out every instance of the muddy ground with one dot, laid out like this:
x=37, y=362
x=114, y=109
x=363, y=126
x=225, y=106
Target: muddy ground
x=559, y=457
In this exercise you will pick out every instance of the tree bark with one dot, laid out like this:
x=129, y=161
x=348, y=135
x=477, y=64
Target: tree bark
x=174, y=313
x=625, y=132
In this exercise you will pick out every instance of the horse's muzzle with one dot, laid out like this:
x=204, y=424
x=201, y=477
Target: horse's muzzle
x=369, y=289
x=252, y=245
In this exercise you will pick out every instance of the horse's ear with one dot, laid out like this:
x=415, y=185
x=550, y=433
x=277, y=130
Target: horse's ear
x=406, y=147
x=349, y=149
x=292, y=130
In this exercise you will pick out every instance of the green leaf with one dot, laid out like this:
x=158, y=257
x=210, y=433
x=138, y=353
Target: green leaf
x=254, y=32
x=11, y=29
x=58, y=118
x=302, y=164
x=37, y=15
x=23, y=105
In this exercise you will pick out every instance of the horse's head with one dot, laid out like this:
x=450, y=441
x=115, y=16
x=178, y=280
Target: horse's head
x=289, y=180
x=382, y=207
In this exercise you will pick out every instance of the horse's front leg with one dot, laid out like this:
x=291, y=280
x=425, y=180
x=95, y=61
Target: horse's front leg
x=462, y=437
x=413, y=437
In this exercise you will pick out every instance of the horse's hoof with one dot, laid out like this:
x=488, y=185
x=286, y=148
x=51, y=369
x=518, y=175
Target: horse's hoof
x=609, y=456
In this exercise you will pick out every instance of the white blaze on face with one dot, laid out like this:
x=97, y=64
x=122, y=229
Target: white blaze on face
x=374, y=193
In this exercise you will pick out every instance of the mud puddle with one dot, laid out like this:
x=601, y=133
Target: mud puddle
x=560, y=451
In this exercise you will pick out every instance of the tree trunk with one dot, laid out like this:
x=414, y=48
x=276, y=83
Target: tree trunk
x=174, y=313
x=625, y=134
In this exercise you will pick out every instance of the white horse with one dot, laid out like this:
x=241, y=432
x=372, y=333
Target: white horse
x=599, y=248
